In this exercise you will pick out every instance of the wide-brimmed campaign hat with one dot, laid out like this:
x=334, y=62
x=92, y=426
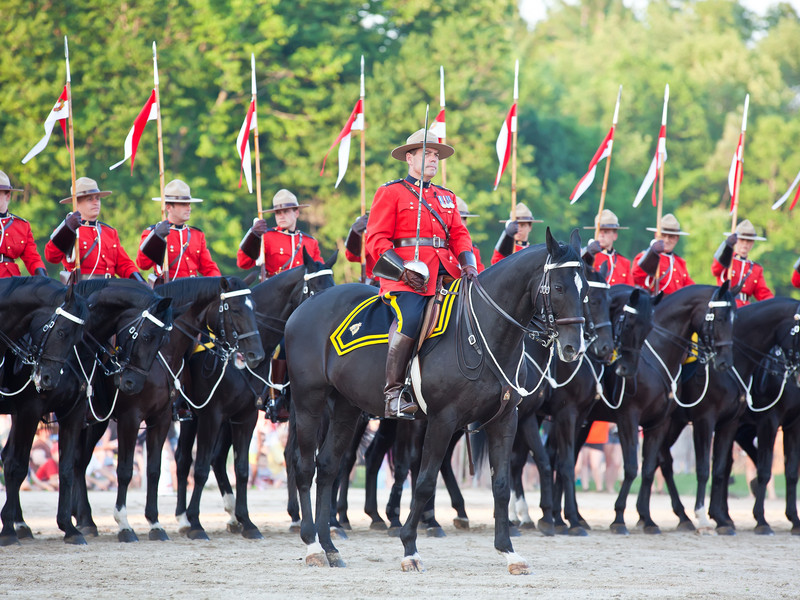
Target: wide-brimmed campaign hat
x=608, y=220
x=522, y=214
x=5, y=184
x=669, y=226
x=463, y=209
x=746, y=231
x=177, y=191
x=84, y=187
x=282, y=200
x=415, y=140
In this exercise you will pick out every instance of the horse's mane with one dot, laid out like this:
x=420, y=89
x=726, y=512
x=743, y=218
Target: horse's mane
x=39, y=286
x=132, y=291
x=188, y=288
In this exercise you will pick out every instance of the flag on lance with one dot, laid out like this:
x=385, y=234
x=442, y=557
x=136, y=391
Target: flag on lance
x=735, y=174
x=604, y=151
x=243, y=146
x=503, y=144
x=59, y=113
x=655, y=166
x=354, y=123
x=438, y=127
x=149, y=112
x=788, y=193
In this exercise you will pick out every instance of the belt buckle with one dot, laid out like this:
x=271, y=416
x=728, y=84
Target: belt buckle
x=107, y=275
x=437, y=242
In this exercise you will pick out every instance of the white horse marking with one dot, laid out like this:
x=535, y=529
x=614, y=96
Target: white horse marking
x=121, y=517
x=183, y=522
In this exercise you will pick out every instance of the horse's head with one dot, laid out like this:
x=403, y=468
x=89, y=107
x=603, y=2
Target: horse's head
x=318, y=276
x=562, y=291
x=598, y=313
x=235, y=325
x=633, y=315
x=54, y=335
x=714, y=325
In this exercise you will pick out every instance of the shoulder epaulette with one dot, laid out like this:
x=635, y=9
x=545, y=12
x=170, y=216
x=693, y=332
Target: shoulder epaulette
x=17, y=217
x=443, y=188
x=106, y=225
x=195, y=228
x=392, y=182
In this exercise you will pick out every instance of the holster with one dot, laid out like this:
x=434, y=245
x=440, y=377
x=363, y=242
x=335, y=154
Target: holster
x=505, y=245
x=251, y=244
x=153, y=247
x=724, y=254
x=63, y=238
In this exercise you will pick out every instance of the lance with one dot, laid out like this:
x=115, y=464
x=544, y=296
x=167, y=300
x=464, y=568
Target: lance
x=441, y=106
x=660, y=163
x=363, y=175
x=417, y=265
x=76, y=273
x=160, y=158
x=514, y=147
x=608, y=167
x=259, y=206
x=737, y=176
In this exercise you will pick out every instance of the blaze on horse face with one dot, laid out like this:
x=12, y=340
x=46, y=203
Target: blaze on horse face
x=566, y=287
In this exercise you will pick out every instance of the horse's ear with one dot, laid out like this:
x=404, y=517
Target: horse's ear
x=307, y=260
x=552, y=244
x=726, y=285
x=332, y=260
x=250, y=278
x=224, y=284
x=163, y=305
x=603, y=270
x=634, y=297
x=575, y=240
x=658, y=298
x=70, y=292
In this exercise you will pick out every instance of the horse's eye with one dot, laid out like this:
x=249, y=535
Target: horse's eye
x=61, y=335
x=559, y=288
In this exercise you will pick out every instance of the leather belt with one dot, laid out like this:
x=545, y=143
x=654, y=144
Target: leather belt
x=97, y=276
x=6, y=259
x=435, y=242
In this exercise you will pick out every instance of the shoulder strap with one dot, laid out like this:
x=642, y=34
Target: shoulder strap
x=296, y=250
x=96, y=241
x=183, y=247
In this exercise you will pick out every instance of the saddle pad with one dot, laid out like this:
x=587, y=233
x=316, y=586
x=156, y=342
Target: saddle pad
x=368, y=323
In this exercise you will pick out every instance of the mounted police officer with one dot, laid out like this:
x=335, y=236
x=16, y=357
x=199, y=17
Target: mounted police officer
x=445, y=248
x=101, y=253
x=658, y=268
x=185, y=245
x=730, y=261
x=16, y=238
x=515, y=236
x=601, y=251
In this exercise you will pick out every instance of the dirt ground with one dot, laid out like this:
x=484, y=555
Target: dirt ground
x=463, y=564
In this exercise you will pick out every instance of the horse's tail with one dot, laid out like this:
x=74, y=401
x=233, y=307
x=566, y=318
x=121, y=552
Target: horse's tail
x=480, y=450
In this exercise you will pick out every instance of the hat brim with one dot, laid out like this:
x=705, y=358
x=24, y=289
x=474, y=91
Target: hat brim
x=523, y=220
x=668, y=232
x=445, y=151
x=607, y=227
x=68, y=199
x=4, y=188
x=284, y=207
x=468, y=214
x=752, y=238
x=178, y=200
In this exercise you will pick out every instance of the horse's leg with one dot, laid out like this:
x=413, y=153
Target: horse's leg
x=373, y=459
x=542, y=460
x=665, y=464
x=127, y=432
x=89, y=437
x=343, y=481
x=653, y=440
x=722, y=449
x=219, y=464
x=791, y=454
x=461, y=521
x=432, y=526
x=69, y=437
x=15, y=458
x=291, y=457
x=183, y=464
x=157, y=430
x=517, y=507
x=702, y=432
x=402, y=458
x=767, y=430
x=242, y=434
x=565, y=429
x=208, y=426
x=627, y=426
x=559, y=526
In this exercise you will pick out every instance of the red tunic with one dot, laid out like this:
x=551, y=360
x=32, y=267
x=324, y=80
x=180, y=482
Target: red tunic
x=187, y=252
x=619, y=267
x=671, y=275
x=103, y=257
x=282, y=250
x=16, y=241
x=356, y=258
x=753, y=275
x=497, y=257
x=394, y=217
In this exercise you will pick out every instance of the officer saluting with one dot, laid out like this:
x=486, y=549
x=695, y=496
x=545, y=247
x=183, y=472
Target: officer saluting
x=16, y=238
x=282, y=244
x=391, y=239
x=515, y=236
x=186, y=248
x=102, y=255
x=732, y=254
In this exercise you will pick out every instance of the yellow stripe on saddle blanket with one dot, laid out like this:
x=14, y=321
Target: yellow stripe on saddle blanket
x=205, y=345
x=368, y=323
x=693, y=355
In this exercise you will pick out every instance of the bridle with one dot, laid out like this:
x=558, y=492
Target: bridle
x=590, y=333
x=619, y=346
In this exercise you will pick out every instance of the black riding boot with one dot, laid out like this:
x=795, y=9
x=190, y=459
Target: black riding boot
x=278, y=409
x=400, y=350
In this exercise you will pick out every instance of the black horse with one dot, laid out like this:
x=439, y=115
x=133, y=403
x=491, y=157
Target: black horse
x=466, y=377
x=41, y=321
x=220, y=306
x=224, y=402
x=649, y=399
x=140, y=321
x=715, y=407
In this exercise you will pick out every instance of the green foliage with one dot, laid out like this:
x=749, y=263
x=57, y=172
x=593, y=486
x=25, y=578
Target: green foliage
x=307, y=52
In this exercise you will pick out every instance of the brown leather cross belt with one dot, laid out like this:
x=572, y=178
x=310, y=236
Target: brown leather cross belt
x=435, y=242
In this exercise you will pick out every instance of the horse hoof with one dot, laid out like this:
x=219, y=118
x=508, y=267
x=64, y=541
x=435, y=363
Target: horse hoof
x=316, y=560
x=461, y=523
x=234, y=527
x=546, y=528
x=529, y=525
x=520, y=568
x=561, y=529
x=335, y=560
x=763, y=530
x=796, y=530
x=337, y=533
x=157, y=535
x=726, y=530
x=294, y=527
x=411, y=564
x=685, y=526
x=652, y=530
x=197, y=534
x=619, y=528
x=127, y=536
x=88, y=530
x=514, y=522
x=513, y=530
x=75, y=539
x=435, y=532
x=9, y=540
x=23, y=532
x=393, y=532
x=252, y=534
x=584, y=524
x=378, y=525
x=577, y=531
x=345, y=525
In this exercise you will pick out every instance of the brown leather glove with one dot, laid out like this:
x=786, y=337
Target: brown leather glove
x=414, y=280
x=260, y=227
x=162, y=229
x=73, y=221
